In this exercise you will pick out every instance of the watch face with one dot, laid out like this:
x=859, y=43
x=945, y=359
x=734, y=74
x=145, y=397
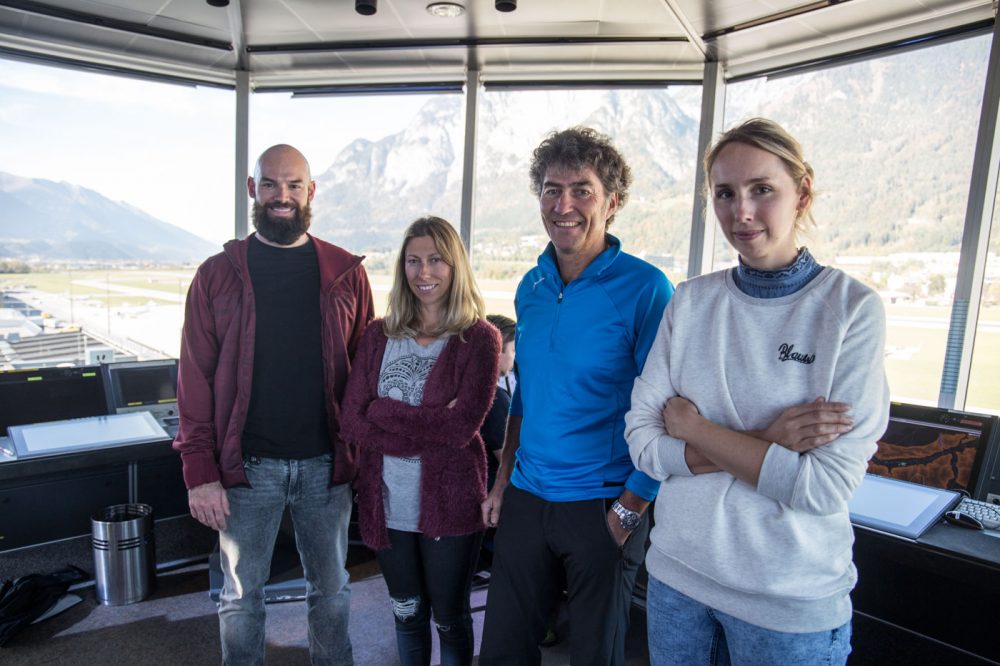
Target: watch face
x=630, y=520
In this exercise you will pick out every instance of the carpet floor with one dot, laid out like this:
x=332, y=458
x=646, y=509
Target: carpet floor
x=177, y=624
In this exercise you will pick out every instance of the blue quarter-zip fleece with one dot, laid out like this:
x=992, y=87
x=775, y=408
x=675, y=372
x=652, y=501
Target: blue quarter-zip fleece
x=579, y=349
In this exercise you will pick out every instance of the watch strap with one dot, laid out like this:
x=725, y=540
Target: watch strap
x=628, y=518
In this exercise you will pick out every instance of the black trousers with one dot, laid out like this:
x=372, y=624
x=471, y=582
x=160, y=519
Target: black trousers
x=426, y=576
x=535, y=538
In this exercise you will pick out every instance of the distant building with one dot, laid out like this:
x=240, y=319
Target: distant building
x=25, y=342
x=75, y=348
x=14, y=325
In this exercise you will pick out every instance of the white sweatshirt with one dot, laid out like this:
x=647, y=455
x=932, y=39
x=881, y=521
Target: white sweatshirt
x=778, y=555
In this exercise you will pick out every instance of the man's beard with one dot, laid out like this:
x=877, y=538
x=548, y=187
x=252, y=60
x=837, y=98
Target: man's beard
x=283, y=231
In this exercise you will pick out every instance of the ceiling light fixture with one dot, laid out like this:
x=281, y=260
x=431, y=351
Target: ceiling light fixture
x=506, y=5
x=218, y=3
x=366, y=7
x=445, y=9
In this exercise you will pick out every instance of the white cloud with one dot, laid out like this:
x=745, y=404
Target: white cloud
x=118, y=91
x=163, y=148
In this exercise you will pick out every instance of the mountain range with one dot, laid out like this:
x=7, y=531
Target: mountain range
x=373, y=189
x=46, y=220
x=892, y=152
x=891, y=140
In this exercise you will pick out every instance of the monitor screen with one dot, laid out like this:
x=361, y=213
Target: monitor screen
x=934, y=447
x=897, y=507
x=142, y=383
x=84, y=434
x=50, y=394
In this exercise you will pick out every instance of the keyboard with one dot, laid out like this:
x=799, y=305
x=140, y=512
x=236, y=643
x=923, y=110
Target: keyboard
x=986, y=513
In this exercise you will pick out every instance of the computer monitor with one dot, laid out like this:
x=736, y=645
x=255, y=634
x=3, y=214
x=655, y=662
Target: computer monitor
x=940, y=448
x=141, y=384
x=149, y=386
x=50, y=394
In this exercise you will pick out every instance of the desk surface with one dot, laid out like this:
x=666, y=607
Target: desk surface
x=979, y=545
x=12, y=470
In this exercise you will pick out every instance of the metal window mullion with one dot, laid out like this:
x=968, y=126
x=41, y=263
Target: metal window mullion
x=713, y=103
x=241, y=164
x=975, y=242
x=469, y=157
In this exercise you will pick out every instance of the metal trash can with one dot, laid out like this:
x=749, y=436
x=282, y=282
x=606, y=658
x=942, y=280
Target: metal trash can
x=124, y=553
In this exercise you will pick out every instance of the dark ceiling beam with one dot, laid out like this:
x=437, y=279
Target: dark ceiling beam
x=585, y=84
x=870, y=53
x=474, y=42
x=73, y=16
x=351, y=89
x=114, y=70
x=773, y=18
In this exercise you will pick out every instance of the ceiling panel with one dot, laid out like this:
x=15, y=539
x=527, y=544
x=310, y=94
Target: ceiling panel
x=408, y=19
x=672, y=61
x=810, y=31
x=840, y=29
x=709, y=17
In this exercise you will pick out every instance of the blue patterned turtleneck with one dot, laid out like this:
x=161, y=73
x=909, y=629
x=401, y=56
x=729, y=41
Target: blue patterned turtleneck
x=776, y=283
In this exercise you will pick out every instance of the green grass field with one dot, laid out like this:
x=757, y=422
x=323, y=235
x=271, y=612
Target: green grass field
x=173, y=284
x=918, y=377
x=914, y=364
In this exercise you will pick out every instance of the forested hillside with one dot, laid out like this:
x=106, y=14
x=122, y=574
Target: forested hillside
x=891, y=140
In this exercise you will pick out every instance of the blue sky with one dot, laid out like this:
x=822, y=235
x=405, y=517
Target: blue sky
x=167, y=149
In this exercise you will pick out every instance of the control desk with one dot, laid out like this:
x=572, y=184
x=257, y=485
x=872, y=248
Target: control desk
x=51, y=493
x=937, y=596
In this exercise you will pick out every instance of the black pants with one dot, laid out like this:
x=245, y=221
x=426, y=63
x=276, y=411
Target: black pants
x=425, y=575
x=534, y=539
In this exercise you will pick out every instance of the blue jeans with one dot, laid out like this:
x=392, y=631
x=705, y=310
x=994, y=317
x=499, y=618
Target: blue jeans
x=320, y=514
x=684, y=631
x=426, y=575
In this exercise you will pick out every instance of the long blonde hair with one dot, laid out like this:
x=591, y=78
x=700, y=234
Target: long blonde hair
x=465, y=304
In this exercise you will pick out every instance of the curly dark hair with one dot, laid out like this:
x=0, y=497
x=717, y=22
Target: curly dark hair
x=579, y=147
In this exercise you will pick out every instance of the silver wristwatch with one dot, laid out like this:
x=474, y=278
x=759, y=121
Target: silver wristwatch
x=629, y=518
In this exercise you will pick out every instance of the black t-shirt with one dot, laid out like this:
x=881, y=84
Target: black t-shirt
x=287, y=414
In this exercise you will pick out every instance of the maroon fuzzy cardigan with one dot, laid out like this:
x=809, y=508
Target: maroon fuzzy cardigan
x=452, y=455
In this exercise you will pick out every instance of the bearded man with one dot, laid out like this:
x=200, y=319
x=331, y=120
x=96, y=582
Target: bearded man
x=271, y=324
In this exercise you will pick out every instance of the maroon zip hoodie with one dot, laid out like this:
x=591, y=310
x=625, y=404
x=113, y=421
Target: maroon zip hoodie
x=216, y=364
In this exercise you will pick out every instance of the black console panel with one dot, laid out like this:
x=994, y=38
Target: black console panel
x=47, y=508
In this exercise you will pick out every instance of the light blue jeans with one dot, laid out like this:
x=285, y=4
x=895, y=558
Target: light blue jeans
x=683, y=631
x=320, y=514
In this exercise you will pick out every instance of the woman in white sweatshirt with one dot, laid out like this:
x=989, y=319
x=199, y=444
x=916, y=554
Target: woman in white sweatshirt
x=758, y=408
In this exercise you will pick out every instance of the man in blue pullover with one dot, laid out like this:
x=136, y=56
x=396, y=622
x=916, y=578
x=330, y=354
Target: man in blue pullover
x=570, y=497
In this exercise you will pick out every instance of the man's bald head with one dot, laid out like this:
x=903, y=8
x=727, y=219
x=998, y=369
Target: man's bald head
x=282, y=189
x=282, y=151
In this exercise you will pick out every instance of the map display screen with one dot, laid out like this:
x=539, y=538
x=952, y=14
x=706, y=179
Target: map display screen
x=936, y=448
x=928, y=455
